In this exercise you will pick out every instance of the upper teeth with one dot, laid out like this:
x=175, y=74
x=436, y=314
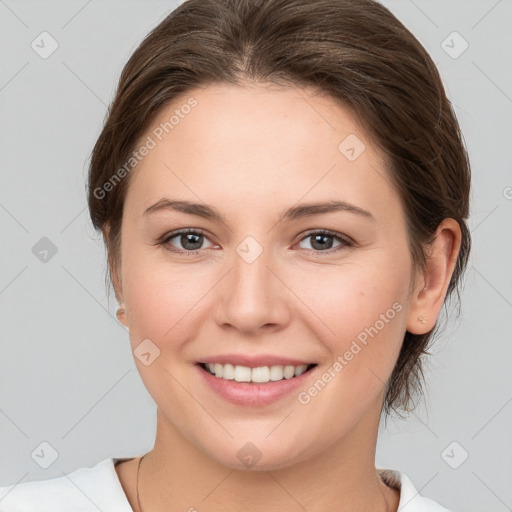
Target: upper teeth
x=259, y=374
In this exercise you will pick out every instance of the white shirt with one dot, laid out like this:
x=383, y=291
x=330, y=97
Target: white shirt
x=90, y=489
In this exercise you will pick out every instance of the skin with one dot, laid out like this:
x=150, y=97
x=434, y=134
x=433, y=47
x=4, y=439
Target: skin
x=251, y=152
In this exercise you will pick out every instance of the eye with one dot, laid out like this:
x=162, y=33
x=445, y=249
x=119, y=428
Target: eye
x=191, y=241
x=322, y=240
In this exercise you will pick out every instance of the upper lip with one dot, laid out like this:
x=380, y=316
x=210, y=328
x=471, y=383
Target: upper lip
x=254, y=361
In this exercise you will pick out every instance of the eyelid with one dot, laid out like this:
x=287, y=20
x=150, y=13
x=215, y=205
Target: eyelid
x=327, y=232
x=345, y=240
x=183, y=231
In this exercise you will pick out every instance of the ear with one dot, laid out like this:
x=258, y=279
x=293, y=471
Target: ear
x=430, y=292
x=114, y=272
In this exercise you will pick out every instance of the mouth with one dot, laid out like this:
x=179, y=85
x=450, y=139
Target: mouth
x=255, y=375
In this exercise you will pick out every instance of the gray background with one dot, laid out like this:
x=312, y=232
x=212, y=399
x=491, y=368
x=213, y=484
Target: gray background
x=67, y=376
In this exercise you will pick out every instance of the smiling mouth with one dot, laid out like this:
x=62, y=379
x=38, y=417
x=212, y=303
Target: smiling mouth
x=258, y=375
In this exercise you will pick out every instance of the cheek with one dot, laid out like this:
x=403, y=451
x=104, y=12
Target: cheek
x=164, y=300
x=360, y=320
x=347, y=299
x=338, y=302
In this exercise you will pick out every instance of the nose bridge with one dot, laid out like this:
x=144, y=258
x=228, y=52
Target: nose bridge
x=252, y=291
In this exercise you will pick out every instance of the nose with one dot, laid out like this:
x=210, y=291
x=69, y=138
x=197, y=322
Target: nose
x=252, y=297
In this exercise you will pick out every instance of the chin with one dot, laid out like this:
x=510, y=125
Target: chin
x=258, y=456
x=276, y=462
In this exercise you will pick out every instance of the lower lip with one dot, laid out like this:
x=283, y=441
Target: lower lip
x=246, y=393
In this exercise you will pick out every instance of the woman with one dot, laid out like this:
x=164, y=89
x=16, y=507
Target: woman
x=283, y=191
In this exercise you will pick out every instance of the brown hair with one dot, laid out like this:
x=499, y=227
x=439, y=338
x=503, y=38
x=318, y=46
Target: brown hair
x=357, y=52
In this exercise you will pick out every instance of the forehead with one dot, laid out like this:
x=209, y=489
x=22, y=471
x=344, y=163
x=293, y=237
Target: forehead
x=258, y=143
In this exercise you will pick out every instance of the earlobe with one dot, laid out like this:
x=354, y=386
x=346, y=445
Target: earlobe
x=121, y=314
x=115, y=279
x=428, y=297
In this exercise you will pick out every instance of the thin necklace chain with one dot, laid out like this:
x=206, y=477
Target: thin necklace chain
x=137, y=485
x=138, y=469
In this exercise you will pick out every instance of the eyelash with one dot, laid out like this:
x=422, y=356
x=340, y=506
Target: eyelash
x=346, y=241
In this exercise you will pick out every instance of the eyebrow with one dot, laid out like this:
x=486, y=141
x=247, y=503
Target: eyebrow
x=295, y=212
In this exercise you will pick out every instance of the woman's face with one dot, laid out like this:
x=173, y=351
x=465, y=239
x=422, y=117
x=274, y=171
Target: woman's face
x=258, y=279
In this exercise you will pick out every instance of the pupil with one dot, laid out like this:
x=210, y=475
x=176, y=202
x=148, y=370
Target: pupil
x=322, y=245
x=188, y=238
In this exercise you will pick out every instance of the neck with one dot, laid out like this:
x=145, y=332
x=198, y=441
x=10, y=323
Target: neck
x=177, y=475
